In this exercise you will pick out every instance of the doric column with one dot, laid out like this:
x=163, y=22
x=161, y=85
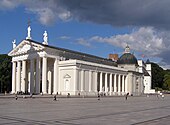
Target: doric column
x=82, y=80
x=31, y=85
x=119, y=82
x=44, y=76
x=23, y=76
x=13, y=77
x=123, y=84
x=134, y=85
x=95, y=81
x=126, y=84
x=115, y=80
x=101, y=81
x=38, y=70
x=105, y=82
x=110, y=84
x=55, y=86
x=49, y=82
x=18, y=76
x=90, y=80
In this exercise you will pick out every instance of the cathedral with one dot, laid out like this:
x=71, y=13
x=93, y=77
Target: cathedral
x=40, y=68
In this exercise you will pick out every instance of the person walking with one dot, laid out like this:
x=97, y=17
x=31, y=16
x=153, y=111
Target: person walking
x=98, y=96
x=126, y=96
x=16, y=97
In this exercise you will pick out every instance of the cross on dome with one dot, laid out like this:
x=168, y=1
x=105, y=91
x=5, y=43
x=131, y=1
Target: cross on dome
x=127, y=49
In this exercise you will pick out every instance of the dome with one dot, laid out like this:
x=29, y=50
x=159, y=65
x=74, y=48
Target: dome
x=127, y=58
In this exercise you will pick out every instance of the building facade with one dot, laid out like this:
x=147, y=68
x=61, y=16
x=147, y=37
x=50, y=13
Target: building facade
x=41, y=68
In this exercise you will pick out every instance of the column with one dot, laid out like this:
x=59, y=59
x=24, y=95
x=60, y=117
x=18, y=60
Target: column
x=38, y=70
x=111, y=90
x=18, y=76
x=123, y=84
x=101, y=81
x=105, y=82
x=126, y=86
x=44, y=76
x=13, y=77
x=31, y=85
x=90, y=79
x=119, y=82
x=55, y=86
x=49, y=82
x=23, y=76
x=134, y=85
x=95, y=81
x=82, y=80
x=115, y=80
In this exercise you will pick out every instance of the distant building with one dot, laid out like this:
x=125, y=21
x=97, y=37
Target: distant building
x=41, y=68
x=114, y=57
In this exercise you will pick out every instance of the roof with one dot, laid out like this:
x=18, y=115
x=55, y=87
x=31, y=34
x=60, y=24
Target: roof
x=127, y=58
x=79, y=55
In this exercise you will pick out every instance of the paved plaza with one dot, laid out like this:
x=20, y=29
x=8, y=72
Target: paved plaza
x=85, y=111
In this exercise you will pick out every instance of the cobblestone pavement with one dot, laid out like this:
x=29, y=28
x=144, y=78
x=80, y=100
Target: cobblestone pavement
x=85, y=111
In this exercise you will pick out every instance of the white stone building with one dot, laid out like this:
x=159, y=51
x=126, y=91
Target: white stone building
x=41, y=68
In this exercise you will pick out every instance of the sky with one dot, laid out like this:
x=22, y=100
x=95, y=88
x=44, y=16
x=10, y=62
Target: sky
x=97, y=27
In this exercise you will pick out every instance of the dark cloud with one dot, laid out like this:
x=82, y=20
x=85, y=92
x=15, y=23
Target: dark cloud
x=154, y=13
x=121, y=12
x=165, y=57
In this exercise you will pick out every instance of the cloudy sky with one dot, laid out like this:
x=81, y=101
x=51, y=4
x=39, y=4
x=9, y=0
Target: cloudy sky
x=97, y=27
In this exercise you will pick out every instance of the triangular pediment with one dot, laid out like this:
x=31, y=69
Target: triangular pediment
x=67, y=76
x=26, y=46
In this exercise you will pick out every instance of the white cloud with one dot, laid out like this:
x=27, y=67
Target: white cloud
x=64, y=37
x=83, y=42
x=9, y=4
x=147, y=40
x=47, y=11
x=144, y=40
x=45, y=15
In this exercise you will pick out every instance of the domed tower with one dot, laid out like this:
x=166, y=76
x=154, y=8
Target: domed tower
x=128, y=60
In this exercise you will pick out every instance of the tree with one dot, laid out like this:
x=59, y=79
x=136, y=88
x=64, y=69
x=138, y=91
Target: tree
x=166, y=84
x=5, y=73
x=157, y=75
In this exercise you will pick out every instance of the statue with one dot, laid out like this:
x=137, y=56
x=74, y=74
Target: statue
x=45, y=38
x=29, y=32
x=14, y=43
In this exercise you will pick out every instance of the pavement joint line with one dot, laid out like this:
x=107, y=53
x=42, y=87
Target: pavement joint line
x=9, y=123
x=21, y=120
x=151, y=120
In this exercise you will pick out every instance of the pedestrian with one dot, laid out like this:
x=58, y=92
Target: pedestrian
x=126, y=96
x=31, y=95
x=16, y=97
x=54, y=98
x=98, y=96
x=163, y=96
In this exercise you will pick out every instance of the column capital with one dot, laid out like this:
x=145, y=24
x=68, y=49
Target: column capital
x=45, y=56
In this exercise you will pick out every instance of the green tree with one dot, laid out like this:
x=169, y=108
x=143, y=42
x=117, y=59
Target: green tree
x=157, y=75
x=166, y=84
x=5, y=73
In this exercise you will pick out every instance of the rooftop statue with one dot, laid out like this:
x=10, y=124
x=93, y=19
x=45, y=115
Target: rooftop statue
x=45, y=38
